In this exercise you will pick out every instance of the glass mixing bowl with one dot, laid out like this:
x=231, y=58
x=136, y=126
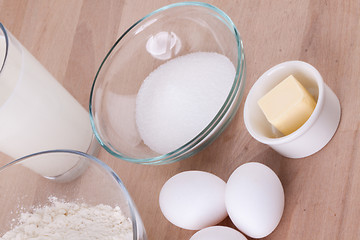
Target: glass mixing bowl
x=172, y=31
x=89, y=181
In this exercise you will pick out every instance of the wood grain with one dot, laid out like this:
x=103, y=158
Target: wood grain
x=70, y=38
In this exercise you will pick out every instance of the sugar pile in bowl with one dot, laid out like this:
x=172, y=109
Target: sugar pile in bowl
x=72, y=221
x=181, y=97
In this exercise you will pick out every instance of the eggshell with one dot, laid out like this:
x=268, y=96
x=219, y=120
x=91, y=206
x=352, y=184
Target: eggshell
x=218, y=233
x=254, y=199
x=193, y=200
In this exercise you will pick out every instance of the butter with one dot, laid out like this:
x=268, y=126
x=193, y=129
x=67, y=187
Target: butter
x=288, y=105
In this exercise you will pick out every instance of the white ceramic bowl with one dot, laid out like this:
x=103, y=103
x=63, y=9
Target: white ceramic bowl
x=315, y=133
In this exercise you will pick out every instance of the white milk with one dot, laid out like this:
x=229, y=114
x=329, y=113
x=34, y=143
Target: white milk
x=37, y=113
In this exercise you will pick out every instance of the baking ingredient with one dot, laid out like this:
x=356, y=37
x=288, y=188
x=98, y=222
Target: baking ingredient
x=181, y=97
x=254, y=199
x=288, y=105
x=37, y=113
x=218, y=233
x=193, y=200
x=72, y=221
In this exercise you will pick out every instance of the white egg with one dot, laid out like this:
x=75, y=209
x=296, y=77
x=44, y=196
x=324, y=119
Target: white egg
x=193, y=200
x=218, y=233
x=254, y=199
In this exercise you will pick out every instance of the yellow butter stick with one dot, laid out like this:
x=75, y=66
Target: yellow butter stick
x=288, y=105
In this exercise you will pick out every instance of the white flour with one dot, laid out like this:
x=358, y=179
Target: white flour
x=72, y=221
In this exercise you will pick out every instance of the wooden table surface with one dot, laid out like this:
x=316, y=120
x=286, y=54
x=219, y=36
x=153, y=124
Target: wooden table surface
x=70, y=38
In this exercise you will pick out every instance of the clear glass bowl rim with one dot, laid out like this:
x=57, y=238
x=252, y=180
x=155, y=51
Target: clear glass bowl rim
x=3, y=61
x=238, y=85
x=130, y=203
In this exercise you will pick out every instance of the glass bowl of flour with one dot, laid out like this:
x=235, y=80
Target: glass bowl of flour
x=90, y=203
x=169, y=85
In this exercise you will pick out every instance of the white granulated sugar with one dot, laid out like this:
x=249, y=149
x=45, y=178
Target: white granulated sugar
x=181, y=97
x=72, y=221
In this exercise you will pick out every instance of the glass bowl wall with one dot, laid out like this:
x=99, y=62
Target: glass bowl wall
x=28, y=182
